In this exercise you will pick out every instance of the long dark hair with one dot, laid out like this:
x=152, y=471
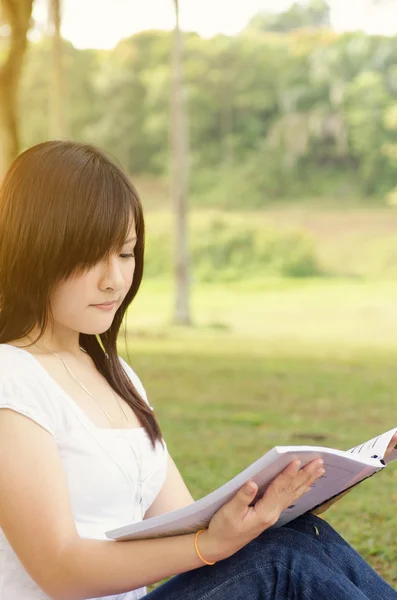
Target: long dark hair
x=65, y=206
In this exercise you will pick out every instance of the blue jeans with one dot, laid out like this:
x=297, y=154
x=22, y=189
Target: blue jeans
x=293, y=562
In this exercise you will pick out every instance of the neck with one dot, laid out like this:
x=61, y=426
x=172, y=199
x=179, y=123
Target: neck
x=50, y=343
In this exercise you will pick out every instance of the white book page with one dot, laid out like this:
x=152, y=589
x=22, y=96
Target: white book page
x=376, y=447
x=342, y=469
x=340, y=474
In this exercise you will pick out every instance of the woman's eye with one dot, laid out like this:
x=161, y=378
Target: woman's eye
x=127, y=255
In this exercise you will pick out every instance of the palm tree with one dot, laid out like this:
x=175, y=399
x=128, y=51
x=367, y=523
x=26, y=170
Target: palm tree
x=179, y=143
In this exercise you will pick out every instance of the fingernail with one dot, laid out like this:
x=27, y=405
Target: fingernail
x=249, y=489
x=297, y=465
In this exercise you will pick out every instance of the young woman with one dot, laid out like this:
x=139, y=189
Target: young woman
x=81, y=451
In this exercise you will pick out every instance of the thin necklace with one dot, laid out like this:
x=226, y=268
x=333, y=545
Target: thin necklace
x=139, y=463
x=89, y=393
x=82, y=386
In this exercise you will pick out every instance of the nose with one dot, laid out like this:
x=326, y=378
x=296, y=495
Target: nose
x=113, y=274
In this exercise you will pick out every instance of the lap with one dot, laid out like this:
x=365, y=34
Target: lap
x=290, y=562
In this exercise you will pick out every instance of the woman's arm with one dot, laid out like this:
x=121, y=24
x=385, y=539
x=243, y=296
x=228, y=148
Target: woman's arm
x=37, y=519
x=174, y=493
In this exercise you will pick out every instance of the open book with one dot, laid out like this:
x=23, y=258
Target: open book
x=343, y=469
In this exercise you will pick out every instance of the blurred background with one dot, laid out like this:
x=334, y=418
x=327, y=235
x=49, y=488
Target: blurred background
x=262, y=138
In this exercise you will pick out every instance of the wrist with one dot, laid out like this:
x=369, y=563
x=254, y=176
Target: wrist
x=209, y=548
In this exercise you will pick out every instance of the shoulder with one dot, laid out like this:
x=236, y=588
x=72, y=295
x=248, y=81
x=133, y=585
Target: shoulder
x=22, y=390
x=136, y=382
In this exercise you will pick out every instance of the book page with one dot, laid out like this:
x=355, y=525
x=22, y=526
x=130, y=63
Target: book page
x=339, y=476
x=342, y=469
x=376, y=447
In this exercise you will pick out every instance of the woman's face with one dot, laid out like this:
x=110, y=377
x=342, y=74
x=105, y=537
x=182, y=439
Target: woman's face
x=73, y=301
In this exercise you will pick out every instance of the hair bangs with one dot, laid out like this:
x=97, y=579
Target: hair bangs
x=103, y=211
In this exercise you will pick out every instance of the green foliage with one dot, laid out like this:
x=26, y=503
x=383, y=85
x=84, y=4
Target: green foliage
x=287, y=109
x=132, y=86
x=290, y=254
x=81, y=99
x=263, y=180
x=315, y=13
x=366, y=103
x=158, y=255
x=236, y=188
x=390, y=149
x=224, y=252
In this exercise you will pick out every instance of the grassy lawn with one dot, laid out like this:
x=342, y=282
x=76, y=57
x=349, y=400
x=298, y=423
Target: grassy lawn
x=276, y=363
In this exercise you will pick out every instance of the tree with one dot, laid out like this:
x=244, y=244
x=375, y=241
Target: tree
x=134, y=79
x=315, y=13
x=17, y=15
x=179, y=143
x=271, y=115
x=57, y=113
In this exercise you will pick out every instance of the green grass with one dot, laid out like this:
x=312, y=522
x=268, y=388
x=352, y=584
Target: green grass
x=322, y=312
x=276, y=362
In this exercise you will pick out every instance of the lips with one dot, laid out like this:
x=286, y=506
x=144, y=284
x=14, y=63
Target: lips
x=105, y=303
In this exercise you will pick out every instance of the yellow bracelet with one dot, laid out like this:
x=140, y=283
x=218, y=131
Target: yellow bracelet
x=198, y=551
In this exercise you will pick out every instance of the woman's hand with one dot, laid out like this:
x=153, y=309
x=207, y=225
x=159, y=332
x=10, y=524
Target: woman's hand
x=237, y=523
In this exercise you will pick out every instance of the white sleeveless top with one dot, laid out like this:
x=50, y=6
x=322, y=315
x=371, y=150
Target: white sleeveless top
x=100, y=467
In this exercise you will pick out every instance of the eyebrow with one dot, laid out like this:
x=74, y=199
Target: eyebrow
x=133, y=239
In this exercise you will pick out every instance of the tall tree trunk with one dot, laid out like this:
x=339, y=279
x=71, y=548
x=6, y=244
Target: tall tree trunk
x=17, y=14
x=179, y=140
x=57, y=113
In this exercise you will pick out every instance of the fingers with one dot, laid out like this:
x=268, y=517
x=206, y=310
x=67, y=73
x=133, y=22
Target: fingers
x=287, y=487
x=296, y=478
x=242, y=519
x=284, y=490
x=309, y=474
x=244, y=496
